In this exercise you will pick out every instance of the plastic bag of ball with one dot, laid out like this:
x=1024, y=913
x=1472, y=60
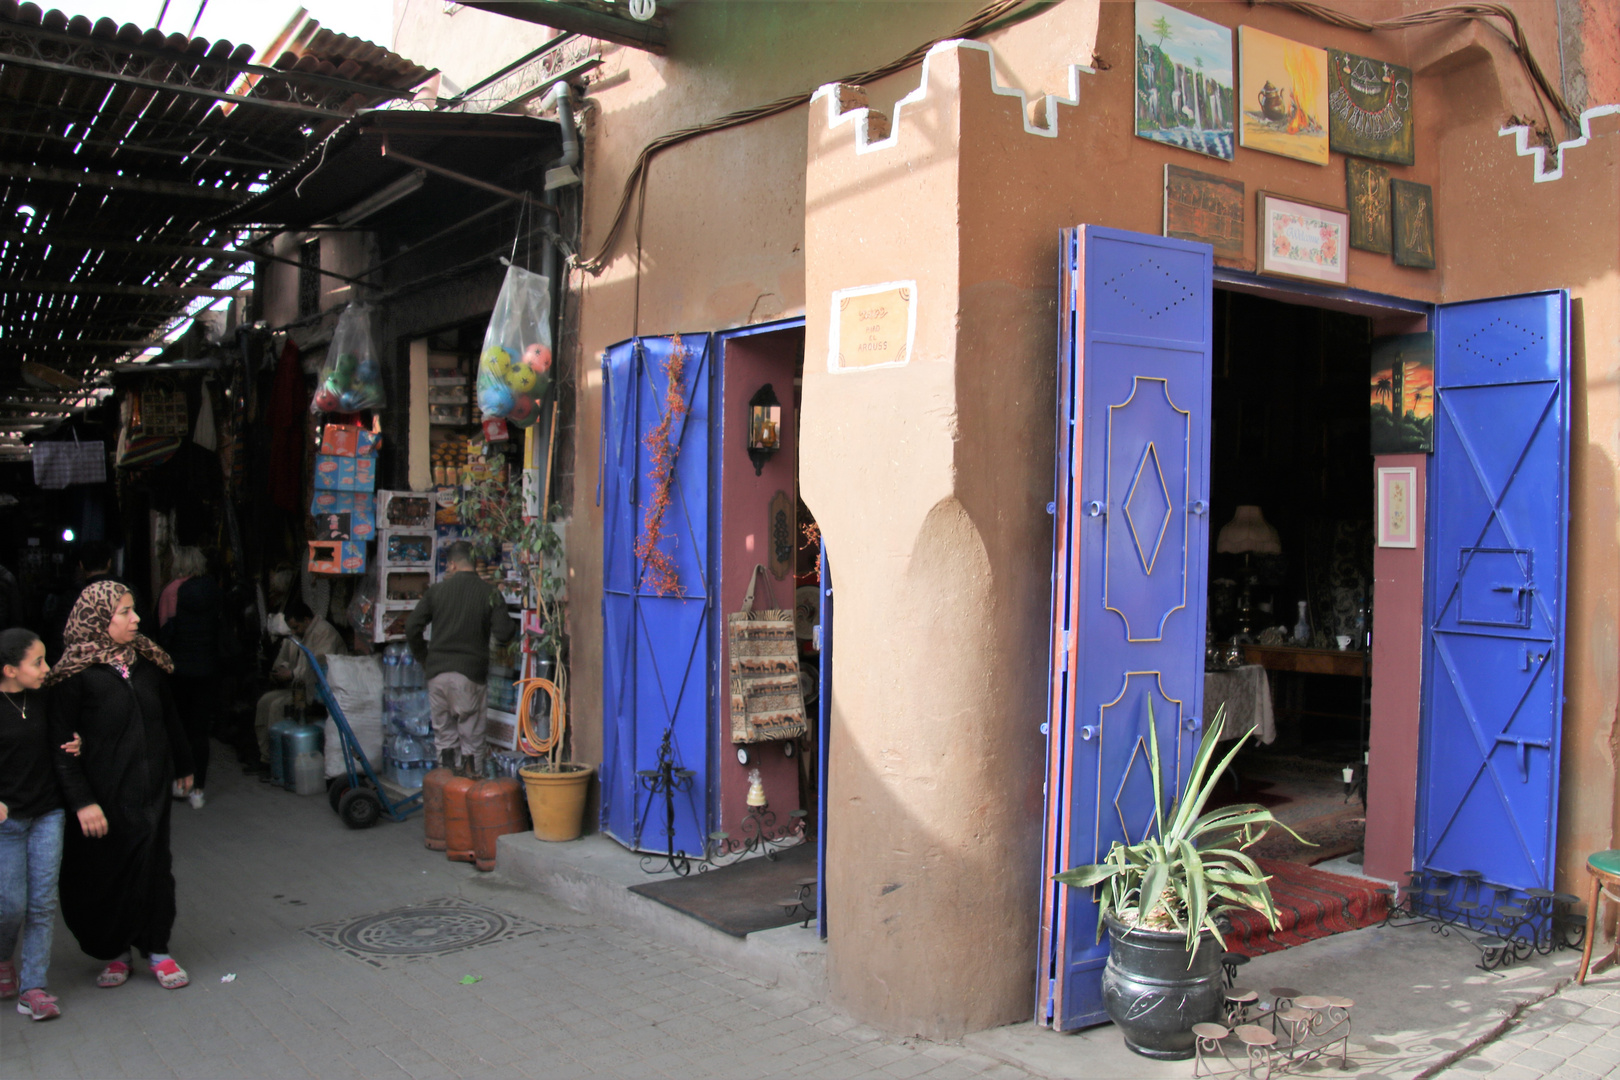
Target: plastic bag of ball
x=514, y=368
x=351, y=377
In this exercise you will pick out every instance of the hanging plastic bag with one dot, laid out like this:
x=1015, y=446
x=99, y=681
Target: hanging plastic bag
x=514, y=370
x=351, y=377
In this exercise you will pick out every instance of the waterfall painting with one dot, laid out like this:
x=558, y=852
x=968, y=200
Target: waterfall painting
x=1184, y=94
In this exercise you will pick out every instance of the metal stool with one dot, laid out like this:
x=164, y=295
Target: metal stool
x=1604, y=870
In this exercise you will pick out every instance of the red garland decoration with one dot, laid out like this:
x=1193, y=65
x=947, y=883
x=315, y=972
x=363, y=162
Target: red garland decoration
x=658, y=574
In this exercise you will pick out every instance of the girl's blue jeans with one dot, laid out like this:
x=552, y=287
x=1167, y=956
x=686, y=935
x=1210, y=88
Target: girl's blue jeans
x=30, y=858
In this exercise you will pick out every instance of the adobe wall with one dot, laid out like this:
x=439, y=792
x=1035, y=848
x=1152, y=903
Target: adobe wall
x=934, y=797
x=722, y=241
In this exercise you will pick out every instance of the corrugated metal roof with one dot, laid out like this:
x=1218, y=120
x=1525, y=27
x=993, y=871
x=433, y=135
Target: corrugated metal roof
x=119, y=145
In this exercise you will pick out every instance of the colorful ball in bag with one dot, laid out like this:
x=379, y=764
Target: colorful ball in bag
x=343, y=371
x=494, y=399
x=326, y=399
x=497, y=361
x=523, y=412
x=351, y=400
x=369, y=373
x=538, y=358
x=522, y=379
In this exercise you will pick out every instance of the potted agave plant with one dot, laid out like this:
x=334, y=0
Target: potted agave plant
x=1158, y=900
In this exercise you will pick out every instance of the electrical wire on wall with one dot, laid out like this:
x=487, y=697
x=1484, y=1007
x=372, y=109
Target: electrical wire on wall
x=1450, y=13
x=1002, y=12
x=637, y=181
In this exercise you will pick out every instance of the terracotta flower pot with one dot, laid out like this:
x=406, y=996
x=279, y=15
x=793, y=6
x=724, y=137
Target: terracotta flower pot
x=557, y=799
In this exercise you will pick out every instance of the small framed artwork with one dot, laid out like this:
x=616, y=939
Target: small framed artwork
x=1367, y=194
x=1184, y=89
x=1206, y=208
x=1397, y=507
x=1413, y=221
x=1301, y=239
x=1284, y=87
x=1370, y=108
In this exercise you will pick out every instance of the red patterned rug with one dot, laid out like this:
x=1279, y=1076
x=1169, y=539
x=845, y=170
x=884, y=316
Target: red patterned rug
x=1310, y=904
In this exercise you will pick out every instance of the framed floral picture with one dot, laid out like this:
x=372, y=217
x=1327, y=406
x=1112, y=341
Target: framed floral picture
x=1302, y=240
x=1397, y=507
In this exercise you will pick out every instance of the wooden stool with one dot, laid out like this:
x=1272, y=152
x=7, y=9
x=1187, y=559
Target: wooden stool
x=1604, y=870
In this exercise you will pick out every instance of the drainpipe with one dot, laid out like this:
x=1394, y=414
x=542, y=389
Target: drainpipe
x=561, y=172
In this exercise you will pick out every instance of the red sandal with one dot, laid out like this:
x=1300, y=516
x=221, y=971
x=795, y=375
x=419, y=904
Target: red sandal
x=170, y=975
x=114, y=974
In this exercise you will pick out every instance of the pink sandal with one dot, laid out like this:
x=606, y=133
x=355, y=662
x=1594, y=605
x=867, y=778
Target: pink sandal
x=114, y=974
x=170, y=975
x=8, y=980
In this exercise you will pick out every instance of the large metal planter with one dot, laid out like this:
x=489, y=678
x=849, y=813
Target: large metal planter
x=1152, y=994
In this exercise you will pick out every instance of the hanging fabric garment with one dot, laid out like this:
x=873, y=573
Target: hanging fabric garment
x=204, y=434
x=288, y=402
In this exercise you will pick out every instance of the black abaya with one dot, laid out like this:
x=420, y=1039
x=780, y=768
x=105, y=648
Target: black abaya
x=118, y=890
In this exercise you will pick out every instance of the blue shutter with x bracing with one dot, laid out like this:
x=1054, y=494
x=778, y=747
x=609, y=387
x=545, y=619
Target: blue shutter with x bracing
x=656, y=645
x=1493, y=666
x=1130, y=562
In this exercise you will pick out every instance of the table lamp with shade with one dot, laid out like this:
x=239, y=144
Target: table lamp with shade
x=1248, y=533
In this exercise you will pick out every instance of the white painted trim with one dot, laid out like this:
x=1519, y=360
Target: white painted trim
x=1521, y=134
x=864, y=143
x=835, y=324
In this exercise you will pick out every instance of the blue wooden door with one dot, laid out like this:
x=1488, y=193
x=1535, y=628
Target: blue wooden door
x=1493, y=668
x=823, y=732
x=1130, y=546
x=657, y=645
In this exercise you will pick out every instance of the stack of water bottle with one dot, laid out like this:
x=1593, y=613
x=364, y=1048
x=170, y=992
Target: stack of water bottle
x=407, y=723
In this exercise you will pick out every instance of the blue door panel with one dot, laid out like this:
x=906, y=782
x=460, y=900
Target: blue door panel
x=1495, y=570
x=657, y=649
x=1129, y=569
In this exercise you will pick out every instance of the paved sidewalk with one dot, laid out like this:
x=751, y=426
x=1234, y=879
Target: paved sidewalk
x=564, y=998
x=1574, y=1035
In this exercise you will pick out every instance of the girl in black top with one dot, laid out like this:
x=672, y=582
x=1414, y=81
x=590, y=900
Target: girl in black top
x=30, y=824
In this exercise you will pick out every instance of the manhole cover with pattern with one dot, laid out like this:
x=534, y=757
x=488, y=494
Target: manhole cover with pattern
x=431, y=928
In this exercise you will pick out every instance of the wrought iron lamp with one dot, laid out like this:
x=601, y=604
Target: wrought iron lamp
x=764, y=427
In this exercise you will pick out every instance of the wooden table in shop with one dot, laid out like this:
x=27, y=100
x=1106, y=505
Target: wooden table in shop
x=1291, y=658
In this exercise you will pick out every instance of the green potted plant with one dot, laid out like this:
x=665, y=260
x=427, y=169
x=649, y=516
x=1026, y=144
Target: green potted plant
x=492, y=511
x=1158, y=900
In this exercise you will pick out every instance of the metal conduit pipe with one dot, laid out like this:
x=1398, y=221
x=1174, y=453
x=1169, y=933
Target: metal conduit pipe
x=560, y=95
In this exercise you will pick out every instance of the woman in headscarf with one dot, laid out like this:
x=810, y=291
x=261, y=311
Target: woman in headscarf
x=112, y=686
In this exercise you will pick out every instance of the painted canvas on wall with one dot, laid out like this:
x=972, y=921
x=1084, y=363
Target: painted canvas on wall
x=1299, y=239
x=1403, y=394
x=1205, y=208
x=1366, y=189
x=1184, y=94
x=1413, y=221
x=1285, y=88
x=1370, y=108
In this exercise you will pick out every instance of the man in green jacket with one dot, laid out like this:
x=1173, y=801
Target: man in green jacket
x=465, y=612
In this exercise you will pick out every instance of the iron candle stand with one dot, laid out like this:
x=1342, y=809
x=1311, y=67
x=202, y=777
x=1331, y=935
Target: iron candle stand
x=666, y=780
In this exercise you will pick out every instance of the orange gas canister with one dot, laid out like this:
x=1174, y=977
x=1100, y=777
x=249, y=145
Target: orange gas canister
x=458, y=844
x=433, y=808
x=495, y=808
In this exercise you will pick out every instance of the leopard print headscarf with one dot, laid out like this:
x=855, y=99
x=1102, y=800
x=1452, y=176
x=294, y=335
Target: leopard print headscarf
x=88, y=643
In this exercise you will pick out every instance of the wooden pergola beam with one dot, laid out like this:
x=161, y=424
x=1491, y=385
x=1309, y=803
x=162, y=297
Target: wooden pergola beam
x=593, y=18
x=89, y=289
x=118, y=183
x=60, y=239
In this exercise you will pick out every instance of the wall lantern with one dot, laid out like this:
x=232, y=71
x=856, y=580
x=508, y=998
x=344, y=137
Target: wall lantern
x=764, y=427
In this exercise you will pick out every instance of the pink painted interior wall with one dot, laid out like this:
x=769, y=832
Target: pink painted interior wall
x=1397, y=682
x=749, y=363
